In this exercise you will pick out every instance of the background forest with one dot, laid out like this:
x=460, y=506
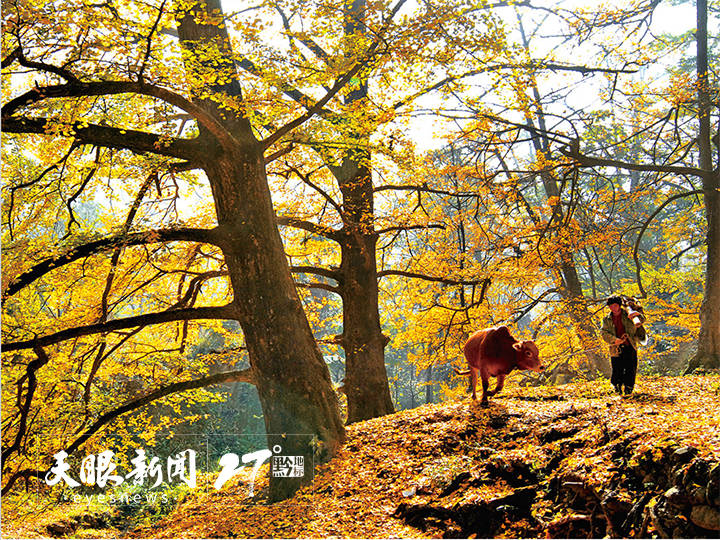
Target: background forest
x=281, y=217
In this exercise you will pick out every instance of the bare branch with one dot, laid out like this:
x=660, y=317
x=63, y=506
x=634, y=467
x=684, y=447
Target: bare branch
x=644, y=227
x=445, y=280
x=333, y=274
x=410, y=228
x=306, y=179
x=318, y=285
x=115, y=259
x=40, y=361
x=587, y=161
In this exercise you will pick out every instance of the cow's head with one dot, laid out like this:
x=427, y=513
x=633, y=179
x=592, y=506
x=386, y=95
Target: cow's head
x=529, y=356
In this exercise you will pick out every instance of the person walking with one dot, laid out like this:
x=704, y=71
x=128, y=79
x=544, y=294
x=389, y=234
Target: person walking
x=623, y=336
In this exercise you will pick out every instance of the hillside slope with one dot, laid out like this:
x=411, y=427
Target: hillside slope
x=571, y=461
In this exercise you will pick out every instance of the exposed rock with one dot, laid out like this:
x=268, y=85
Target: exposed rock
x=456, y=482
x=684, y=454
x=707, y=517
x=635, y=515
x=616, y=511
x=520, y=498
x=698, y=494
x=515, y=472
x=664, y=519
x=422, y=515
x=61, y=528
x=713, y=486
x=573, y=526
x=481, y=519
x=95, y=521
x=484, y=451
x=675, y=497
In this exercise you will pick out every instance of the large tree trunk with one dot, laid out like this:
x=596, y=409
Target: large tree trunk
x=366, y=382
x=292, y=379
x=428, y=385
x=708, y=354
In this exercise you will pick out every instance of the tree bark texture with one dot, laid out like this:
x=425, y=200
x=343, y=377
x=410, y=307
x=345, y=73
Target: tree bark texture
x=708, y=353
x=292, y=379
x=366, y=382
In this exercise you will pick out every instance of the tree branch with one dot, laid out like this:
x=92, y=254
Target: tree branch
x=325, y=272
x=104, y=88
x=536, y=65
x=19, y=55
x=581, y=160
x=410, y=228
x=214, y=312
x=318, y=285
x=426, y=189
x=306, y=179
x=245, y=375
x=636, y=248
x=339, y=84
x=445, y=280
x=207, y=236
x=109, y=137
x=40, y=361
x=309, y=226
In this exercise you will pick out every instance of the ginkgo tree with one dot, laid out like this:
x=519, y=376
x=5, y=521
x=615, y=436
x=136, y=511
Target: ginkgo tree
x=675, y=134
x=342, y=172
x=579, y=189
x=108, y=76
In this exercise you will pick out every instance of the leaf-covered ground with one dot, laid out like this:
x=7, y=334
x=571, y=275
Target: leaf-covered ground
x=568, y=461
x=457, y=455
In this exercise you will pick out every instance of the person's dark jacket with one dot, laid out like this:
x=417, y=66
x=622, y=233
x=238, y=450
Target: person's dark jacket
x=608, y=332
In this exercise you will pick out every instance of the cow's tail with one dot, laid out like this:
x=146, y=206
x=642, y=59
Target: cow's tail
x=461, y=373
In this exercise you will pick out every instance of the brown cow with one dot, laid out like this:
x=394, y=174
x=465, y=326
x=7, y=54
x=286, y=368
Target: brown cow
x=495, y=353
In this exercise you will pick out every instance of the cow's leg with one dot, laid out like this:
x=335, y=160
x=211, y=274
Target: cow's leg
x=499, y=385
x=473, y=381
x=485, y=385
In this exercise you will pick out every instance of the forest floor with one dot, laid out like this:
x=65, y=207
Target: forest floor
x=570, y=461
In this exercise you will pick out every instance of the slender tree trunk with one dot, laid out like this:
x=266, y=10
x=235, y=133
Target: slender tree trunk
x=585, y=327
x=566, y=270
x=570, y=289
x=708, y=354
x=570, y=286
x=292, y=379
x=428, y=385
